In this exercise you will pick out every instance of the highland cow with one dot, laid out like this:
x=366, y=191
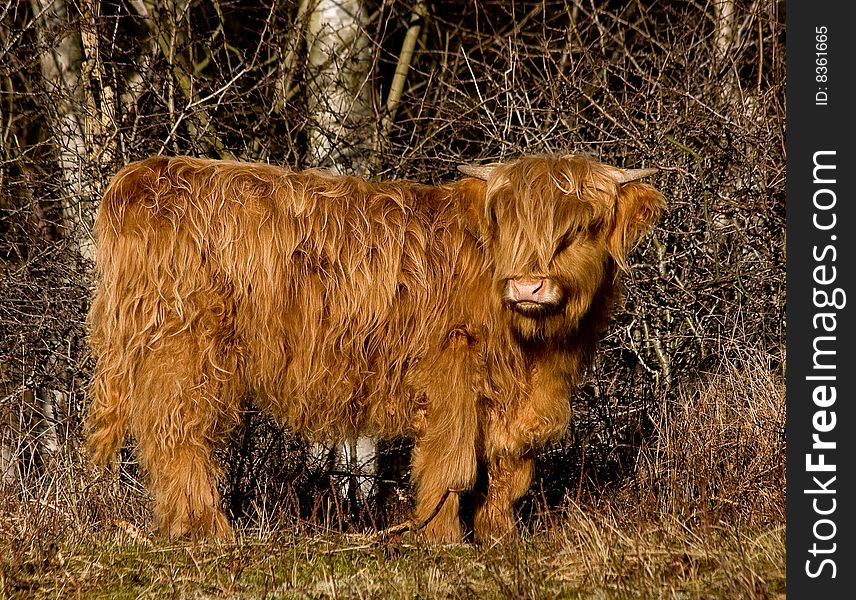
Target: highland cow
x=461, y=315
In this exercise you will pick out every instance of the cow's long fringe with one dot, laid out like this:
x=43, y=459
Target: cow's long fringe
x=342, y=306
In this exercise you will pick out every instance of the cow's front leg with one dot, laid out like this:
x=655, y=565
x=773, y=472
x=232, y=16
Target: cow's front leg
x=444, y=458
x=546, y=413
x=514, y=433
x=509, y=477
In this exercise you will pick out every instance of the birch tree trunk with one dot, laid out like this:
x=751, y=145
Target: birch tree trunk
x=344, y=135
x=61, y=61
x=725, y=20
x=340, y=139
x=339, y=91
x=82, y=136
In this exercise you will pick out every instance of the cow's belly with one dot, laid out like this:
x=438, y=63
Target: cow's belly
x=338, y=399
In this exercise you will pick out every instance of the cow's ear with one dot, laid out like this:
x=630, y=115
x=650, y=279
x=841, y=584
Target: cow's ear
x=472, y=199
x=638, y=208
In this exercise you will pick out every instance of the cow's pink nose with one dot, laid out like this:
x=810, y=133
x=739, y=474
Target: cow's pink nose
x=527, y=289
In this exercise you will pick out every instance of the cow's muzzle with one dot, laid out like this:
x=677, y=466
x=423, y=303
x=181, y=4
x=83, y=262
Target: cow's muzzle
x=533, y=296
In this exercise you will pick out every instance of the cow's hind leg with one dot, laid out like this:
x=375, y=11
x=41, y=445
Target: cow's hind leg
x=440, y=475
x=444, y=458
x=107, y=420
x=179, y=414
x=509, y=477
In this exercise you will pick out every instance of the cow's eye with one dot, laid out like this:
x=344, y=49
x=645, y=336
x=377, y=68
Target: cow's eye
x=563, y=244
x=491, y=219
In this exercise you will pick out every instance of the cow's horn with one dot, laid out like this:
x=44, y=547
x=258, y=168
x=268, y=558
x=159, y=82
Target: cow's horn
x=478, y=171
x=622, y=176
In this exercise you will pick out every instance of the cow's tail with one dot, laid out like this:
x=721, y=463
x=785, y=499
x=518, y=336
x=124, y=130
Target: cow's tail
x=123, y=257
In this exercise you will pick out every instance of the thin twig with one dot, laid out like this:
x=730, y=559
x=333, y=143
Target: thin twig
x=409, y=525
x=420, y=10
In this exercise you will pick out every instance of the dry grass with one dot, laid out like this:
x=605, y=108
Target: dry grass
x=719, y=451
x=702, y=517
x=591, y=556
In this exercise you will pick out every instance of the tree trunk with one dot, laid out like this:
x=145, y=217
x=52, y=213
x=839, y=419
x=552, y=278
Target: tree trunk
x=61, y=61
x=340, y=139
x=725, y=20
x=339, y=91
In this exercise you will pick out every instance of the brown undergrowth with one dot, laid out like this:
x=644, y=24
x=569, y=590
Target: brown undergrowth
x=702, y=516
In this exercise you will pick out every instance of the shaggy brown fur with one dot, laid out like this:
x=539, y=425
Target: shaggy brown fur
x=461, y=315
